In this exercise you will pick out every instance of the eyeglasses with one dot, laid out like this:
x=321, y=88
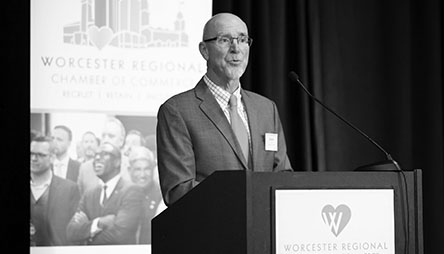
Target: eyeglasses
x=39, y=155
x=226, y=41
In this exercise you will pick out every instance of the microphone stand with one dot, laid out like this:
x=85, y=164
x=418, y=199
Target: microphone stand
x=388, y=165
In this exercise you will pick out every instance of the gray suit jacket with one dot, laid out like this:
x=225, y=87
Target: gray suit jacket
x=63, y=199
x=194, y=139
x=125, y=203
x=73, y=170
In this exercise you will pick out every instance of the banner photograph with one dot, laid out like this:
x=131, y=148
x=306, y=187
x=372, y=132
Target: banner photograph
x=99, y=72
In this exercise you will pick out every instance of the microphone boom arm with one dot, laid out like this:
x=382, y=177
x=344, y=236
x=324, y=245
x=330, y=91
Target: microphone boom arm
x=294, y=77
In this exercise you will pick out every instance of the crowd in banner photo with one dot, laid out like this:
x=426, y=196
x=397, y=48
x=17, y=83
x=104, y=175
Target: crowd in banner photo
x=106, y=196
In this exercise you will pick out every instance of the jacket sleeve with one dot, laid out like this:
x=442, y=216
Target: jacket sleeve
x=78, y=232
x=126, y=222
x=281, y=161
x=176, y=161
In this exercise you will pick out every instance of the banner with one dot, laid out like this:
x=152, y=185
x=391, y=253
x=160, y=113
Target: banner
x=334, y=221
x=119, y=56
x=93, y=59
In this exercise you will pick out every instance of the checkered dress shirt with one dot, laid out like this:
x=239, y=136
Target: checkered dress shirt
x=223, y=97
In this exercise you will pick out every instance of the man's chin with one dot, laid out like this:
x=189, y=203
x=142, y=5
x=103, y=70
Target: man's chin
x=98, y=171
x=143, y=184
x=235, y=73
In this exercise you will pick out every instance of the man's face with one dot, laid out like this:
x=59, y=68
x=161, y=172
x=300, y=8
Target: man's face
x=112, y=134
x=106, y=163
x=89, y=145
x=141, y=172
x=61, y=141
x=41, y=157
x=229, y=62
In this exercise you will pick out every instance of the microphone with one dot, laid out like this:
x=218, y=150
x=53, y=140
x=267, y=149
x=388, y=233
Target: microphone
x=385, y=165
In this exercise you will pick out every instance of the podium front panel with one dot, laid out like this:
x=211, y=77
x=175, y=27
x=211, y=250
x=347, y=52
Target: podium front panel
x=233, y=211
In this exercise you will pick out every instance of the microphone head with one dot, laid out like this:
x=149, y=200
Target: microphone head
x=293, y=76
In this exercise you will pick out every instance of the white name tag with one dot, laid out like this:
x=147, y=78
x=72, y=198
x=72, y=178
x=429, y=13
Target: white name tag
x=271, y=142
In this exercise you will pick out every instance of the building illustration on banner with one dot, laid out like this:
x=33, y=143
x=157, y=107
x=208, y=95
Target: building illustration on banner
x=122, y=24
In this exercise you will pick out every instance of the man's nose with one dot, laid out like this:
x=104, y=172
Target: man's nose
x=234, y=46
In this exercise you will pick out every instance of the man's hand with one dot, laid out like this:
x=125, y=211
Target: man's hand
x=106, y=221
x=80, y=217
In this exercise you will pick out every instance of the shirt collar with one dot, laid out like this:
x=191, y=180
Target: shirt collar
x=46, y=183
x=63, y=161
x=222, y=96
x=111, y=184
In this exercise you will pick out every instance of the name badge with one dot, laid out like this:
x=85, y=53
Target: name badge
x=271, y=142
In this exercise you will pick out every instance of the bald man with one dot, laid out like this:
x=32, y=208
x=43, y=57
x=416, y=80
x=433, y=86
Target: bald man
x=218, y=125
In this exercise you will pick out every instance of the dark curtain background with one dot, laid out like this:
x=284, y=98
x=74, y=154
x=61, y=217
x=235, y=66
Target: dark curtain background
x=377, y=63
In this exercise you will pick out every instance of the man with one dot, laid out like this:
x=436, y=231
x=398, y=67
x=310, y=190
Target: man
x=207, y=128
x=88, y=146
x=53, y=199
x=113, y=132
x=142, y=166
x=64, y=166
x=109, y=213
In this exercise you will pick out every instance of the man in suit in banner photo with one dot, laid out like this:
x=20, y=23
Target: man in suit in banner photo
x=53, y=199
x=110, y=213
x=218, y=125
x=64, y=166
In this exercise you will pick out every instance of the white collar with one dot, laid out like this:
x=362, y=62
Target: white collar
x=111, y=184
x=63, y=161
x=45, y=183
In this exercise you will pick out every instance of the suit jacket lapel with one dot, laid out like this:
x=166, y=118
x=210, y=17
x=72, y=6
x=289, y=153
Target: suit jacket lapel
x=69, y=171
x=212, y=110
x=52, y=192
x=253, y=120
x=97, y=208
x=115, y=192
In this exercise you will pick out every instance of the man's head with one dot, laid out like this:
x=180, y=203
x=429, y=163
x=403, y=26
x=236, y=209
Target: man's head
x=113, y=132
x=142, y=165
x=90, y=143
x=133, y=138
x=62, y=136
x=42, y=155
x=107, y=161
x=226, y=56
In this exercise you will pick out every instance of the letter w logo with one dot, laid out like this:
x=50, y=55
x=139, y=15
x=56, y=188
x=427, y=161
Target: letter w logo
x=336, y=219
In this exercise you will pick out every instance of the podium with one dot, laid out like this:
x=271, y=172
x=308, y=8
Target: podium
x=235, y=212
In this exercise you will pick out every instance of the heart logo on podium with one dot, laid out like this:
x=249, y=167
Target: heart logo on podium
x=100, y=37
x=336, y=219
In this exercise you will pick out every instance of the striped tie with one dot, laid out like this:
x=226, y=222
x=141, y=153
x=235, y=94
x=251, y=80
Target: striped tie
x=238, y=127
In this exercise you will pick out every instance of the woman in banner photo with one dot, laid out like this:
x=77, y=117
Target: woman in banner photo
x=218, y=125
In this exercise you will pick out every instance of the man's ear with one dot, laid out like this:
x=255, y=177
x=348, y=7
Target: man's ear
x=203, y=50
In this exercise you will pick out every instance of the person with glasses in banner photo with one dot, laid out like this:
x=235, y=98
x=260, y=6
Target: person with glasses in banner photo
x=218, y=125
x=53, y=199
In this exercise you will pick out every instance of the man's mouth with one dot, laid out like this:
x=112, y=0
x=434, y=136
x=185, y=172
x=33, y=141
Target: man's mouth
x=142, y=181
x=98, y=166
x=234, y=61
